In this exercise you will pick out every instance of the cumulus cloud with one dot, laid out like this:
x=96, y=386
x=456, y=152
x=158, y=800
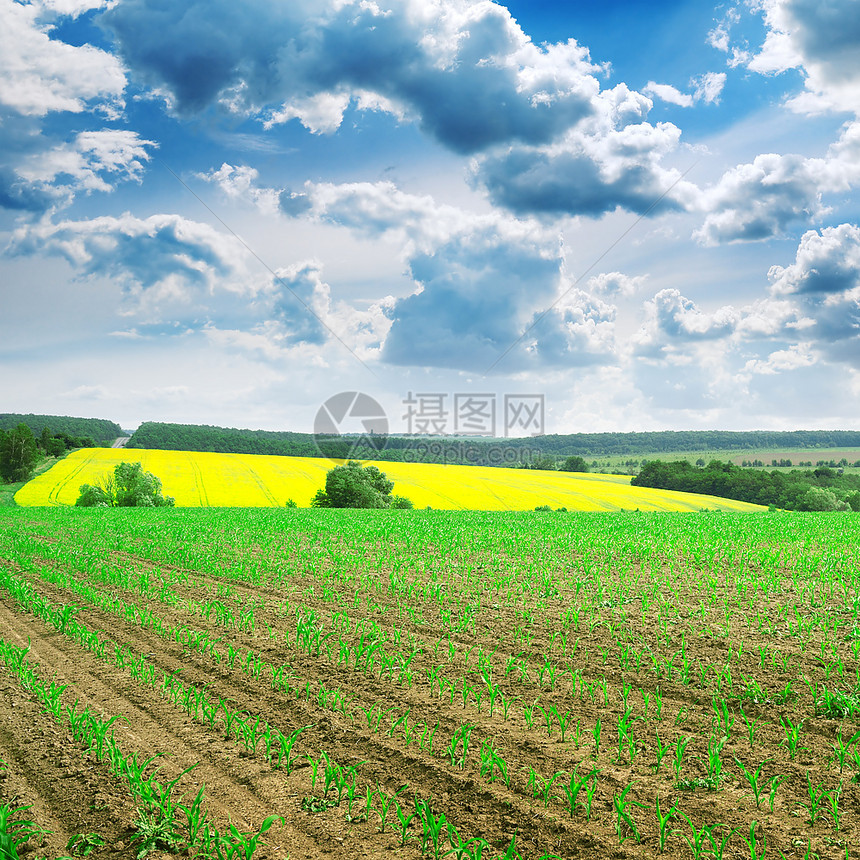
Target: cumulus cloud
x=301, y=317
x=782, y=360
x=610, y=160
x=161, y=262
x=93, y=161
x=464, y=70
x=240, y=182
x=577, y=331
x=546, y=139
x=762, y=199
x=826, y=263
x=614, y=284
x=824, y=282
x=39, y=74
x=673, y=321
x=822, y=39
x=483, y=283
x=302, y=301
x=668, y=93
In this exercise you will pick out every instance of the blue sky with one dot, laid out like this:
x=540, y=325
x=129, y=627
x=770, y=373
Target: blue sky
x=226, y=213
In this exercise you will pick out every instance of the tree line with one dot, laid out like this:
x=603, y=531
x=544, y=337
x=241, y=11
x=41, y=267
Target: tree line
x=820, y=489
x=480, y=451
x=20, y=450
x=98, y=429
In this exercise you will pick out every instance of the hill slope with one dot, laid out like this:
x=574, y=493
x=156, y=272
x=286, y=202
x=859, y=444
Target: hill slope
x=198, y=479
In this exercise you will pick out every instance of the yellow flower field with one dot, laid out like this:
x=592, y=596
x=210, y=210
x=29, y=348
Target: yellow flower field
x=198, y=479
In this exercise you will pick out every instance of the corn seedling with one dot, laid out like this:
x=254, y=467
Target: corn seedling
x=678, y=761
x=754, y=779
x=756, y=845
x=623, y=817
x=82, y=844
x=698, y=835
x=384, y=804
x=775, y=783
x=235, y=845
x=432, y=826
x=16, y=831
x=663, y=823
x=403, y=821
x=792, y=735
x=817, y=796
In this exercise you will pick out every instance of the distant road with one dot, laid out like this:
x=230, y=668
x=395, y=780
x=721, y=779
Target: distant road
x=121, y=442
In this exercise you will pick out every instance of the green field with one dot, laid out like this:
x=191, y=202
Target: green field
x=623, y=462
x=583, y=684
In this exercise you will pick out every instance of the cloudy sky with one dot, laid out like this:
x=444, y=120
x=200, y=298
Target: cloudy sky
x=225, y=213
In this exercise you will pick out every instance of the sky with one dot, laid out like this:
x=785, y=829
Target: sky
x=642, y=216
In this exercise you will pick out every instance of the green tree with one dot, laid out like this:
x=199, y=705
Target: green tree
x=355, y=486
x=18, y=454
x=128, y=487
x=573, y=464
x=818, y=499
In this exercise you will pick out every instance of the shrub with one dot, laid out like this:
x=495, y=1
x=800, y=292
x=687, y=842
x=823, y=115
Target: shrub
x=354, y=486
x=573, y=464
x=128, y=487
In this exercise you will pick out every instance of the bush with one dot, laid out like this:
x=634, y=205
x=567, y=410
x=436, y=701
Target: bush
x=354, y=486
x=128, y=487
x=818, y=499
x=573, y=464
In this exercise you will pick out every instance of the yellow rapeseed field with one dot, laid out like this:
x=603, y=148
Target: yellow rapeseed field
x=197, y=479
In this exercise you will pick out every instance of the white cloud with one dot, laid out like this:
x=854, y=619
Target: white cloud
x=39, y=74
x=668, y=93
x=826, y=264
x=672, y=322
x=463, y=70
x=706, y=88
x=615, y=284
x=763, y=199
x=824, y=283
x=821, y=38
x=168, y=266
x=610, y=160
x=782, y=360
x=90, y=160
x=86, y=392
x=481, y=282
x=241, y=183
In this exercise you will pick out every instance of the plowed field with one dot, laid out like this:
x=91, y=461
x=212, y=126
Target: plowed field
x=542, y=685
